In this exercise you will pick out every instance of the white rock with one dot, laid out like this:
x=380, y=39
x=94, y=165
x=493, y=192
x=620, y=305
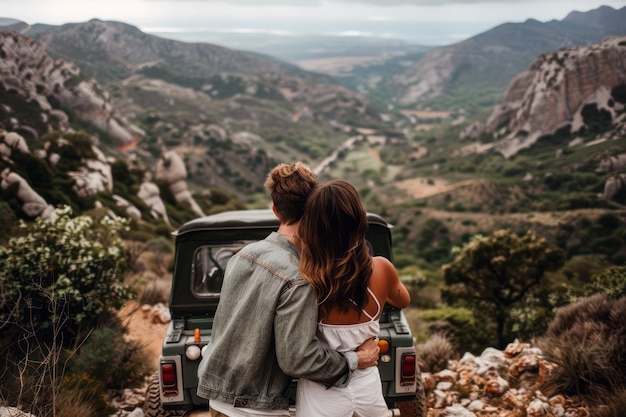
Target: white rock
x=457, y=410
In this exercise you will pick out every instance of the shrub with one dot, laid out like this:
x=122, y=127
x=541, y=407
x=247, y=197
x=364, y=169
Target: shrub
x=82, y=395
x=606, y=245
x=615, y=408
x=56, y=281
x=611, y=281
x=160, y=244
x=434, y=354
x=587, y=341
x=108, y=357
x=464, y=332
x=60, y=266
x=609, y=221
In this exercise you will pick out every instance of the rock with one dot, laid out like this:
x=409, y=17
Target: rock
x=481, y=385
x=614, y=185
x=14, y=141
x=553, y=92
x=457, y=410
x=158, y=313
x=13, y=412
x=28, y=70
x=132, y=211
x=151, y=195
x=171, y=170
x=614, y=163
x=33, y=204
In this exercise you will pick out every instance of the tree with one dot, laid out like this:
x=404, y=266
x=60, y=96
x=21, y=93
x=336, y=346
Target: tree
x=492, y=275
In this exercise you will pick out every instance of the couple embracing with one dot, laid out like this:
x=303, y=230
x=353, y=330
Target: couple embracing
x=302, y=303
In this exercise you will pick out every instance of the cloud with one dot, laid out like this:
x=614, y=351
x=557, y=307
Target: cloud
x=377, y=3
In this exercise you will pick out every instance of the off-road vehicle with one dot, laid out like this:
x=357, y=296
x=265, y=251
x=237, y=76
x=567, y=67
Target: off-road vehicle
x=202, y=248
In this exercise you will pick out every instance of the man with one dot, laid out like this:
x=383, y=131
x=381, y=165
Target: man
x=265, y=324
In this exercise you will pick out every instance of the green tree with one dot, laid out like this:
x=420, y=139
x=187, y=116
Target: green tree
x=492, y=275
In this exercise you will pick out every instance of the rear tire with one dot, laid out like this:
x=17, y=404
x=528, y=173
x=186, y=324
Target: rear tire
x=153, y=407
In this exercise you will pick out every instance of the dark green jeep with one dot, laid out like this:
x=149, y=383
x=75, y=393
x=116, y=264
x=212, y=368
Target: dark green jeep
x=203, y=247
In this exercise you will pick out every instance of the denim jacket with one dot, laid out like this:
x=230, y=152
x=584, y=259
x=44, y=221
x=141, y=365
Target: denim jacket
x=264, y=331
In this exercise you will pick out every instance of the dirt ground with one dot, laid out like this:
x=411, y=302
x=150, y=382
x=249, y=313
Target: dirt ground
x=143, y=327
x=423, y=187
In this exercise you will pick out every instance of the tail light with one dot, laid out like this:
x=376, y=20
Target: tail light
x=383, y=345
x=169, y=382
x=407, y=369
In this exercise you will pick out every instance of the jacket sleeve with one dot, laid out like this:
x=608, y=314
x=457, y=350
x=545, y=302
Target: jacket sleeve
x=300, y=354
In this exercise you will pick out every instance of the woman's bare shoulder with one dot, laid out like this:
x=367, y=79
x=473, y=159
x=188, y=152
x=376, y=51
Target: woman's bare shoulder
x=382, y=262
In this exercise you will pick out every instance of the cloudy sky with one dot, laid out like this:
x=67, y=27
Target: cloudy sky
x=431, y=22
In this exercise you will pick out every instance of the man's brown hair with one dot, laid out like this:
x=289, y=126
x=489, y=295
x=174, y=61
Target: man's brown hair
x=290, y=185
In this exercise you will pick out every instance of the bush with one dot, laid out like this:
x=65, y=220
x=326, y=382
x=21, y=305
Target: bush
x=494, y=275
x=615, y=408
x=82, y=395
x=587, y=341
x=108, y=357
x=434, y=354
x=60, y=266
x=463, y=331
x=611, y=281
x=609, y=221
x=57, y=280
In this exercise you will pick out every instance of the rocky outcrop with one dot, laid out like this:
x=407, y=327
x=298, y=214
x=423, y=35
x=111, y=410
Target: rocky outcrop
x=32, y=204
x=31, y=75
x=567, y=89
x=151, y=195
x=171, y=170
x=617, y=182
x=612, y=164
x=491, y=59
x=94, y=177
x=614, y=185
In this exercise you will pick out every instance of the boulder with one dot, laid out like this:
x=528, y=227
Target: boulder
x=33, y=204
x=171, y=170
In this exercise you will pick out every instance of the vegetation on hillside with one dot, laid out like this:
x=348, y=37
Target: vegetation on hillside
x=62, y=346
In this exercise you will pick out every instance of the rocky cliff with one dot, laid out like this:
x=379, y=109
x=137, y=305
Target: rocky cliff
x=36, y=89
x=38, y=146
x=487, y=62
x=577, y=91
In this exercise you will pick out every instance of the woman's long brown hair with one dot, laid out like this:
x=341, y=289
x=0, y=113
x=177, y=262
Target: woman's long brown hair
x=335, y=258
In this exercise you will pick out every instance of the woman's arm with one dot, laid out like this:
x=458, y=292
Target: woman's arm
x=397, y=293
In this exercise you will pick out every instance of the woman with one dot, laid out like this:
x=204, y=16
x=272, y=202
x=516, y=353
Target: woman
x=352, y=288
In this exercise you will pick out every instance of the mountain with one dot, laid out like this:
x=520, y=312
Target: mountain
x=577, y=90
x=230, y=115
x=472, y=74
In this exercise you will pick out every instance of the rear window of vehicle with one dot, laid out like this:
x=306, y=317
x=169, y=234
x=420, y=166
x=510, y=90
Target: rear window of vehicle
x=209, y=264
